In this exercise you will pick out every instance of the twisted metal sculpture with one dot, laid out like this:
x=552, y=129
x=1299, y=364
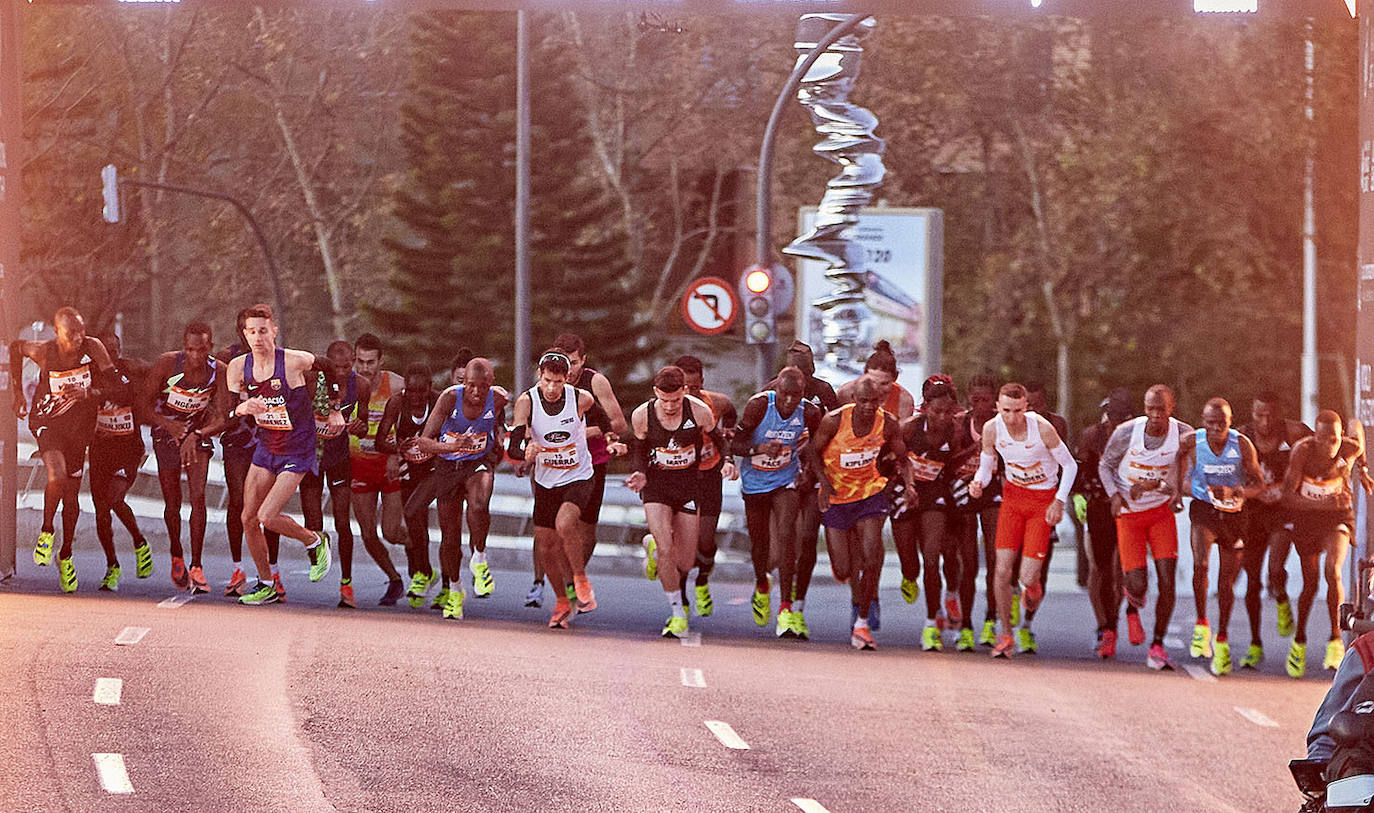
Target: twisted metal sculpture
x=847, y=324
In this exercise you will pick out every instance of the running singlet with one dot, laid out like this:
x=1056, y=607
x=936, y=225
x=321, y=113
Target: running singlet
x=762, y=473
x=930, y=474
x=287, y=427
x=851, y=462
x=60, y=390
x=186, y=403
x=894, y=399
x=711, y=457
x=1141, y=465
x=414, y=463
x=674, y=454
x=1332, y=481
x=598, y=447
x=115, y=416
x=347, y=403
x=562, y=437
x=474, y=436
x=1211, y=469
x=1273, y=463
x=366, y=446
x=1029, y=463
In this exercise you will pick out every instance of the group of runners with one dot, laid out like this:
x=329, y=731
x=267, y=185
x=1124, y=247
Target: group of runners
x=940, y=469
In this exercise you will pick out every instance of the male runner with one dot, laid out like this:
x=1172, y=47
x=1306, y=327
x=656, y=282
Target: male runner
x=668, y=432
x=1268, y=521
x=186, y=400
x=464, y=429
x=554, y=415
x=1222, y=472
x=70, y=368
x=716, y=467
x=853, y=500
x=116, y=453
x=399, y=436
x=1104, y=558
x=774, y=428
x=1139, y=470
x=1033, y=498
x=1317, y=487
x=369, y=467
x=274, y=378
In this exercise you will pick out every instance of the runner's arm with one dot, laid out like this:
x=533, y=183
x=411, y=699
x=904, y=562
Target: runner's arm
x=1249, y=463
x=742, y=443
x=811, y=453
x=498, y=448
x=895, y=438
x=219, y=402
x=598, y=422
x=1061, y=454
x=145, y=404
x=358, y=426
x=906, y=403
x=520, y=424
x=1109, y=464
x=429, y=441
x=987, y=460
x=605, y=396
x=390, y=412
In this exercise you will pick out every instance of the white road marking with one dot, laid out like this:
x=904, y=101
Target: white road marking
x=1198, y=673
x=131, y=635
x=693, y=678
x=737, y=601
x=726, y=735
x=1173, y=642
x=113, y=777
x=108, y=691
x=175, y=601
x=691, y=639
x=1255, y=716
x=810, y=805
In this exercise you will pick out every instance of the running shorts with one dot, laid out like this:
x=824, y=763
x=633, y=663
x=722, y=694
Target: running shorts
x=1154, y=529
x=1021, y=524
x=1227, y=526
x=1312, y=530
x=307, y=463
x=547, y=501
x=369, y=476
x=845, y=515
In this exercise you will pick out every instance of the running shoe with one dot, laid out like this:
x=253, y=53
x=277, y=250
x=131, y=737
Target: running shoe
x=705, y=606
x=799, y=628
x=1253, y=656
x=237, y=583
x=930, y=639
x=1025, y=642
x=1158, y=658
x=570, y=592
x=1135, y=631
x=861, y=639
x=346, y=598
x=762, y=604
x=1106, y=644
x=875, y=616
x=650, y=557
x=66, y=575
x=42, y=550
x=482, y=582
x=420, y=583
x=1015, y=609
x=1335, y=651
x=585, y=595
x=1202, y=641
x=562, y=615
x=262, y=593
x=1004, y=646
x=940, y=620
x=453, y=606
x=1221, y=658
x=676, y=626
x=111, y=581
x=911, y=590
x=1297, y=660
x=954, y=617
x=179, y=576
x=322, y=559
x=279, y=587
x=439, y=599
x=198, y=583
x=989, y=634
x=394, y=591
x=143, y=561
x=535, y=597
x=785, y=628
x=966, y=642
x=1284, y=621
x=1034, y=594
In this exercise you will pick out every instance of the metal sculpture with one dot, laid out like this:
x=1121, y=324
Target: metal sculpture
x=847, y=323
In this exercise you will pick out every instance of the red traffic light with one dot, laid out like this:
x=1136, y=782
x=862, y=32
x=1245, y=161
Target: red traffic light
x=759, y=280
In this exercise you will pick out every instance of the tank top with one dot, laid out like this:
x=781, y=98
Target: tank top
x=971, y=432
x=711, y=458
x=48, y=398
x=185, y=402
x=1273, y=463
x=674, y=454
x=1027, y=463
x=287, y=427
x=414, y=463
x=1141, y=465
x=598, y=447
x=475, y=435
x=366, y=447
x=564, y=458
x=115, y=416
x=1212, y=469
x=851, y=462
x=335, y=450
x=930, y=474
x=1323, y=480
x=762, y=473
x=894, y=399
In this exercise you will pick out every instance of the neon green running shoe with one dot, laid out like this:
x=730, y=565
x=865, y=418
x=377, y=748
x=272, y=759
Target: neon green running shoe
x=42, y=550
x=1202, y=641
x=66, y=575
x=482, y=582
x=439, y=599
x=1253, y=657
x=930, y=640
x=1284, y=622
x=763, y=607
x=262, y=593
x=111, y=581
x=1335, y=652
x=705, y=606
x=143, y=559
x=799, y=626
x=1297, y=660
x=911, y=590
x=1221, y=658
x=989, y=634
x=785, y=629
x=676, y=626
x=419, y=588
x=453, y=606
x=966, y=642
x=1015, y=609
x=323, y=557
x=1025, y=641
x=650, y=557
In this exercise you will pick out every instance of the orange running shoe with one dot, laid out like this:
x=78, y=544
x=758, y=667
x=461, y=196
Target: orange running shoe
x=562, y=614
x=237, y=583
x=1106, y=645
x=1032, y=595
x=179, y=577
x=586, y=597
x=346, y=595
x=1136, y=630
x=862, y=640
x=952, y=613
x=1004, y=647
x=281, y=588
x=198, y=583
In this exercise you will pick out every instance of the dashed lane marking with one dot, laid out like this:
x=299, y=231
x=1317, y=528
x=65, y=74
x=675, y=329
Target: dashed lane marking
x=1255, y=716
x=108, y=691
x=693, y=678
x=810, y=805
x=1199, y=674
x=691, y=639
x=113, y=776
x=131, y=635
x=727, y=735
x=175, y=601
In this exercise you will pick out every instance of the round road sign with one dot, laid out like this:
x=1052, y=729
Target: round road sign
x=709, y=306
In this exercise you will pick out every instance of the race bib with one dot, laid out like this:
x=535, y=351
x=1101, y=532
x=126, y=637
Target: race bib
x=1314, y=489
x=858, y=460
x=1230, y=505
x=1143, y=473
x=924, y=469
x=559, y=457
x=78, y=379
x=323, y=430
x=114, y=420
x=778, y=462
x=187, y=402
x=467, y=444
x=412, y=454
x=1027, y=476
x=675, y=459
x=276, y=416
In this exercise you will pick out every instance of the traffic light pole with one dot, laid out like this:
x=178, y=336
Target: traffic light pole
x=11, y=133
